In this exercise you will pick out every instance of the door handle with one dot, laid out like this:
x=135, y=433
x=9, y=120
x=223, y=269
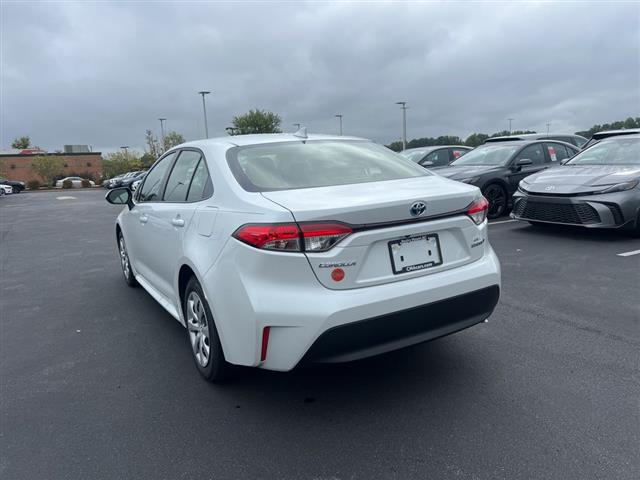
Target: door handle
x=143, y=218
x=177, y=222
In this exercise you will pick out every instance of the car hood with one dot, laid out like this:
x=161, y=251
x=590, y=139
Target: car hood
x=579, y=178
x=464, y=171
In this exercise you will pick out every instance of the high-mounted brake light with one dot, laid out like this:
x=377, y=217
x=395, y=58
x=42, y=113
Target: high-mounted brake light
x=289, y=237
x=477, y=211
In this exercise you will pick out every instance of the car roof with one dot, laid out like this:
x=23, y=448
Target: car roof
x=434, y=147
x=259, y=139
x=530, y=136
x=614, y=133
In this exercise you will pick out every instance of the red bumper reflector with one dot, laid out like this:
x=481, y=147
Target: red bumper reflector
x=337, y=275
x=265, y=343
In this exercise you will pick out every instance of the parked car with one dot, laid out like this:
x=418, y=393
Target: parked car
x=6, y=189
x=573, y=139
x=596, y=137
x=497, y=168
x=75, y=181
x=127, y=181
x=435, y=156
x=17, y=185
x=310, y=248
x=118, y=180
x=598, y=188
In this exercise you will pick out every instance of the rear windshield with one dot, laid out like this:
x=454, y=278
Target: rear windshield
x=291, y=165
x=613, y=151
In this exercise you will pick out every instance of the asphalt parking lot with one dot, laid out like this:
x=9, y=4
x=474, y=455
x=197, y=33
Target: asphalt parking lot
x=97, y=381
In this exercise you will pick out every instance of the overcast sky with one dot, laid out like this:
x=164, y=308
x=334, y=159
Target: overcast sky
x=102, y=73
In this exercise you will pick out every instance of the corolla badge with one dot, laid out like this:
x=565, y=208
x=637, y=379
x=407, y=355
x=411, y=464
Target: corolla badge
x=549, y=188
x=417, y=209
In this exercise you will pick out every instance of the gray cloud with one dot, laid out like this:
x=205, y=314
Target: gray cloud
x=102, y=73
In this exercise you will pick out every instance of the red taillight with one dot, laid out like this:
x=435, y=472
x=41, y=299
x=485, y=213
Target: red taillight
x=477, y=211
x=265, y=343
x=289, y=237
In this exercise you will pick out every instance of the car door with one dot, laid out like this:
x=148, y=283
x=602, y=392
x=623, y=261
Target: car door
x=169, y=221
x=138, y=235
x=534, y=153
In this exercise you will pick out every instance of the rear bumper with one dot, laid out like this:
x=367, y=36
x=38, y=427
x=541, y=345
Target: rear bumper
x=388, y=332
x=615, y=210
x=304, y=316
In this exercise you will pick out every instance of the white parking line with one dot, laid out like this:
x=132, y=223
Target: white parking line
x=69, y=197
x=628, y=254
x=502, y=221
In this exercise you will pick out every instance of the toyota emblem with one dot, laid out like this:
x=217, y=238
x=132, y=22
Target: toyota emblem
x=417, y=209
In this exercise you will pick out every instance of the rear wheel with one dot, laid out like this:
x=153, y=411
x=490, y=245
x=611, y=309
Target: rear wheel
x=203, y=336
x=126, y=263
x=497, y=197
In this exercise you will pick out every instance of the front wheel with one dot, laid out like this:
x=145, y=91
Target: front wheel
x=203, y=336
x=497, y=197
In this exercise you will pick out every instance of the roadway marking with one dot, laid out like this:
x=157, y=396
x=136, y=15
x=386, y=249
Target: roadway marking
x=66, y=198
x=503, y=221
x=628, y=254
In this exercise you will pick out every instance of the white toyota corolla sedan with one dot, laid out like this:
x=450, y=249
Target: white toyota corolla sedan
x=277, y=249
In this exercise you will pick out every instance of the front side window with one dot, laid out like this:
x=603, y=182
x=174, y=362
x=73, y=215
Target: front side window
x=292, y=165
x=438, y=158
x=616, y=151
x=181, y=175
x=495, y=154
x=558, y=152
x=151, y=189
x=532, y=152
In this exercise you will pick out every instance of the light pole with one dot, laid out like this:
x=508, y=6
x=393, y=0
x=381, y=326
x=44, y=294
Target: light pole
x=204, y=109
x=404, y=107
x=510, y=120
x=339, y=115
x=162, y=120
x=126, y=150
x=297, y=125
x=548, y=129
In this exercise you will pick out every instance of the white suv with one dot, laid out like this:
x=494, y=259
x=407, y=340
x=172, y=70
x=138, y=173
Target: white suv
x=274, y=249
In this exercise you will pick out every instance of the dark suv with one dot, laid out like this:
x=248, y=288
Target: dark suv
x=17, y=185
x=497, y=168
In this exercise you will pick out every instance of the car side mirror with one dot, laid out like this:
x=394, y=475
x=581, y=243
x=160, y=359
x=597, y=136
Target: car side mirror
x=524, y=161
x=120, y=196
x=427, y=163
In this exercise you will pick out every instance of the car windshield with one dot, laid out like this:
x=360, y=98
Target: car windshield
x=283, y=166
x=498, y=155
x=414, y=155
x=614, y=151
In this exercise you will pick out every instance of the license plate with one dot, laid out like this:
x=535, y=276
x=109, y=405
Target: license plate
x=415, y=253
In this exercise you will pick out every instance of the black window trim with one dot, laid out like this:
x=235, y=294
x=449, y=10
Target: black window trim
x=202, y=159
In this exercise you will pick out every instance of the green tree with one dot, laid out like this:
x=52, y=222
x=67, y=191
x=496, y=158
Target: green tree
x=21, y=142
x=171, y=139
x=117, y=163
x=153, y=144
x=47, y=167
x=475, y=139
x=255, y=121
x=620, y=124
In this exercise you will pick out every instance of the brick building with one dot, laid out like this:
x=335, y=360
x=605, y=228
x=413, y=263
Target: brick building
x=17, y=164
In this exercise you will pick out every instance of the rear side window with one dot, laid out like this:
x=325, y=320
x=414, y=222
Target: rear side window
x=292, y=165
x=201, y=186
x=180, y=177
x=151, y=189
x=457, y=153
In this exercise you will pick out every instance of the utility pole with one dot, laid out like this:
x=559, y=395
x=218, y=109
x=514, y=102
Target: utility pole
x=339, y=115
x=404, y=107
x=204, y=110
x=162, y=120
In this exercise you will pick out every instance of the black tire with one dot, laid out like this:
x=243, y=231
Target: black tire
x=200, y=321
x=125, y=263
x=498, y=199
